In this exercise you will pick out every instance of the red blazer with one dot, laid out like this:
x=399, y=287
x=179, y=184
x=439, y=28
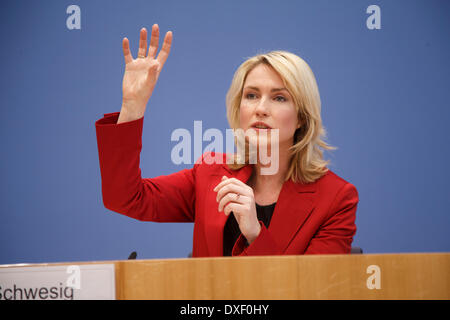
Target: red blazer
x=309, y=218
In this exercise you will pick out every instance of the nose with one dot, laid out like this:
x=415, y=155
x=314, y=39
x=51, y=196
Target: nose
x=262, y=109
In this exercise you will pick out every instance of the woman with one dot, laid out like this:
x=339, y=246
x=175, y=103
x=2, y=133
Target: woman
x=301, y=208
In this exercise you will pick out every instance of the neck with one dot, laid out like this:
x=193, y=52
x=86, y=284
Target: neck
x=259, y=181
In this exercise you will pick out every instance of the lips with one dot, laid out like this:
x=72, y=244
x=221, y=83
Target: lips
x=260, y=125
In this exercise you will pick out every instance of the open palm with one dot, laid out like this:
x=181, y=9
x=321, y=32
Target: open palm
x=141, y=74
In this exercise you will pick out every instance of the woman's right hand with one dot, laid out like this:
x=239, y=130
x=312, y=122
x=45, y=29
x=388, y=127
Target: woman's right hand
x=141, y=74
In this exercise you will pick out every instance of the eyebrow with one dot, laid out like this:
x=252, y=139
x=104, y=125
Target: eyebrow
x=273, y=90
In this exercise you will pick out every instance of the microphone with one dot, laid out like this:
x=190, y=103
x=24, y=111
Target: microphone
x=132, y=255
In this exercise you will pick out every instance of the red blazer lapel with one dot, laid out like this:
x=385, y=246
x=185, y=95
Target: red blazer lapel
x=295, y=203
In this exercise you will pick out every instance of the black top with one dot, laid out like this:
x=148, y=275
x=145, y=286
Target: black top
x=231, y=231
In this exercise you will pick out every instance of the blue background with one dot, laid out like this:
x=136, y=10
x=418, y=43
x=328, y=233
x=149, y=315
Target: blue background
x=384, y=104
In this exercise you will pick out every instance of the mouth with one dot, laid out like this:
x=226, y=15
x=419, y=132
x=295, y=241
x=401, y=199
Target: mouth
x=260, y=126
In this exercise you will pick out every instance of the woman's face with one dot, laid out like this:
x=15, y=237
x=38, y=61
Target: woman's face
x=267, y=103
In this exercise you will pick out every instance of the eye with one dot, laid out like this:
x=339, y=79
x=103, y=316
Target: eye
x=250, y=95
x=280, y=99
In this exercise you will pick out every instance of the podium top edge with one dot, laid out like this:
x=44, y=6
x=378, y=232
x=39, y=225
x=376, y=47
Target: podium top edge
x=262, y=258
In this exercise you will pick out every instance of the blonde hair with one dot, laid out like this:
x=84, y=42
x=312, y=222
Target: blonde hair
x=307, y=163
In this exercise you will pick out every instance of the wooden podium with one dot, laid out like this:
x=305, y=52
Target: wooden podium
x=366, y=276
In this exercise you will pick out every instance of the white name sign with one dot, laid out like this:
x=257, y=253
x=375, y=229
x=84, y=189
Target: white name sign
x=74, y=282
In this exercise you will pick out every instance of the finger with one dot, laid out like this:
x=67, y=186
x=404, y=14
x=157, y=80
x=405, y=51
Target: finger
x=231, y=197
x=233, y=207
x=152, y=70
x=154, y=67
x=230, y=188
x=165, y=50
x=222, y=183
x=126, y=51
x=154, y=41
x=142, y=43
x=226, y=181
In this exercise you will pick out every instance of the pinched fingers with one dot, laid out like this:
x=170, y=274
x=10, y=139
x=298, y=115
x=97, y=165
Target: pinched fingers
x=230, y=187
x=232, y=190
x=232, y=197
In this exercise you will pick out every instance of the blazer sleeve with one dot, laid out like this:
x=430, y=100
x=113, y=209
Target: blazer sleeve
x=169, y=198
x=263, y=245
x=334, y=236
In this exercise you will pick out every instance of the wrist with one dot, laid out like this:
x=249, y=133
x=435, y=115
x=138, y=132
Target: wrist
x=253, y=235
x=131, y=111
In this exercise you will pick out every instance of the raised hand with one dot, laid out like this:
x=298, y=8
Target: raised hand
x=141, y=74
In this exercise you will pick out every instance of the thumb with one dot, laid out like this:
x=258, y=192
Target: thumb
x=153, y=72
x=157, y=66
